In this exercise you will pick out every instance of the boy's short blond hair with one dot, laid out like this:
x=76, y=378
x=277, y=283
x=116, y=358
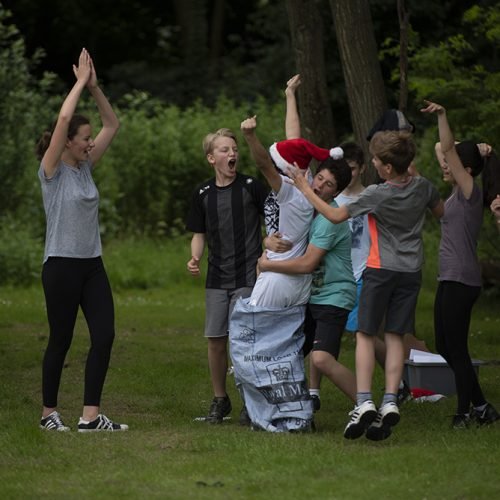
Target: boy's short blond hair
x=209, y=140
x=396, y=148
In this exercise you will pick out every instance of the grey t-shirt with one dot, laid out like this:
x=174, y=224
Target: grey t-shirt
x=460, y=228
x=71, y=203
x=396, y=214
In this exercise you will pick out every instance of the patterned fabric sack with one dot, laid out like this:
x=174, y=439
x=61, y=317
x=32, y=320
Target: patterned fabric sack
x=266, y=351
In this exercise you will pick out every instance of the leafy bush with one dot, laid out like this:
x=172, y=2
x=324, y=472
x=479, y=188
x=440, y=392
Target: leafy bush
x=21, y=254
x=25, y=108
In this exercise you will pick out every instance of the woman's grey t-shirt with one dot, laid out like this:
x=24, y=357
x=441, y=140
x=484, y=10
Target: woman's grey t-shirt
x=460, y=227
x=71, y=203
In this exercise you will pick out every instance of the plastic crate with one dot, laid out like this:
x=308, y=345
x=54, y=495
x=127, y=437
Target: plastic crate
x=435, y=377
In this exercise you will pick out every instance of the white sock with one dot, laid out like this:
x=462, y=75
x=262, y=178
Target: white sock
x=314, y=392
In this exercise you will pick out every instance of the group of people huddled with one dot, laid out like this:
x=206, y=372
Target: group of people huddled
x=338, y=256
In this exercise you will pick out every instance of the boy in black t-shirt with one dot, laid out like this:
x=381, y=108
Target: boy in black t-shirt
x=225, y=215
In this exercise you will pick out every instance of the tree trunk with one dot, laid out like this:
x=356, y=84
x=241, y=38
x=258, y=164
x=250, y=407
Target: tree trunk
x=192, y=20
x=404, y=23
x=307, y=41
x=216, y=31
x=361, y=68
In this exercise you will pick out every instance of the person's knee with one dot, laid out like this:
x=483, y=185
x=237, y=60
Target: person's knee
x=322, y=360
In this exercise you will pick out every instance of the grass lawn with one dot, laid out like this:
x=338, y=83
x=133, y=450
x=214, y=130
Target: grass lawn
x=158, y=382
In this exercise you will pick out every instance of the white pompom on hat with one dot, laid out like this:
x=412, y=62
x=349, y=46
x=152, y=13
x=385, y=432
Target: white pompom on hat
x=300, y=151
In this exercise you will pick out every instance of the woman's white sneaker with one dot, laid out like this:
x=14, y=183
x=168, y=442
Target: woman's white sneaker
x=101, y=423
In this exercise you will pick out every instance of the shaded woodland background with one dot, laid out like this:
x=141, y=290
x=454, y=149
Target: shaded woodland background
x=176, y=69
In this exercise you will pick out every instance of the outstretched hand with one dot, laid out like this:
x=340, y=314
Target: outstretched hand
x=432, y=107
x=84, y=69
x=299, y=177
x=249, y=125
x=293, y=84
x=495, y=207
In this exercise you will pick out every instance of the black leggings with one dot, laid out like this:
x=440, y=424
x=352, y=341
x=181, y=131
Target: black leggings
x=69, y=283
x=452, y=314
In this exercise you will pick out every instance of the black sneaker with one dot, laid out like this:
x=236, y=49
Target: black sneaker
x=460, y=421
x=244, y=417
x=316, y=403
x=101, y=423
x=53, y=422
x=404, y=394
x=485, y=417
x=220, y=408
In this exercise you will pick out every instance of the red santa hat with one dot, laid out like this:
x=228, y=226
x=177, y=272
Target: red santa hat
x=300, y=151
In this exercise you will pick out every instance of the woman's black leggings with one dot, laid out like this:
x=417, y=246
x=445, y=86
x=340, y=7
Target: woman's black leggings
x=452, y=314
x=68, y=284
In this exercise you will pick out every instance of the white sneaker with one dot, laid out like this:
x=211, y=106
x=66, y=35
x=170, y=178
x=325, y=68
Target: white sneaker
x=387, y=417
x=361, y=417
x=53, y=422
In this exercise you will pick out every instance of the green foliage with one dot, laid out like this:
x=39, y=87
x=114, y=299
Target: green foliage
x=456, y=73
x=20, y=253
x=25, y=106
x=148, y=175
x=146, y=263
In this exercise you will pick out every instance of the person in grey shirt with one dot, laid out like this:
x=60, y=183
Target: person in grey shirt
x=73, y=274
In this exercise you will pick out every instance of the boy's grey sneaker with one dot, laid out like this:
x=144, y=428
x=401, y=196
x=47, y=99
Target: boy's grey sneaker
x=361, y=417
x=387, y=417
x=485, y=417
x=101, y=423
x=220, y=408
x=53, y=422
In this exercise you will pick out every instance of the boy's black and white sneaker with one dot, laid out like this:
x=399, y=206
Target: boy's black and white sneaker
x=486, y=416
x=101, y=423
x=404, y=394
x=361, y=417
x=53, y=422
x=387, y=417
x=219, y=408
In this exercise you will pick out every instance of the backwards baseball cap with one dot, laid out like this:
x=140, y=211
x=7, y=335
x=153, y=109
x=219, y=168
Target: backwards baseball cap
x=391, y=119
x=300, y=151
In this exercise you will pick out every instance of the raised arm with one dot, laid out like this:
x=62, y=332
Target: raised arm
x=59, y=136
x=110, y=123
x=260, y=154
x=292, y=119
x=463, y=179
x=304, y=264
x=333, y=214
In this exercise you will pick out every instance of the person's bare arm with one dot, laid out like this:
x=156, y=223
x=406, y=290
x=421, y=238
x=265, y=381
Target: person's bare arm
x=292, y=119
x=333, y=214
x=197, y=248
x=463, y=179
x=304, y=264
x=260, y=154
x=276, y=243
